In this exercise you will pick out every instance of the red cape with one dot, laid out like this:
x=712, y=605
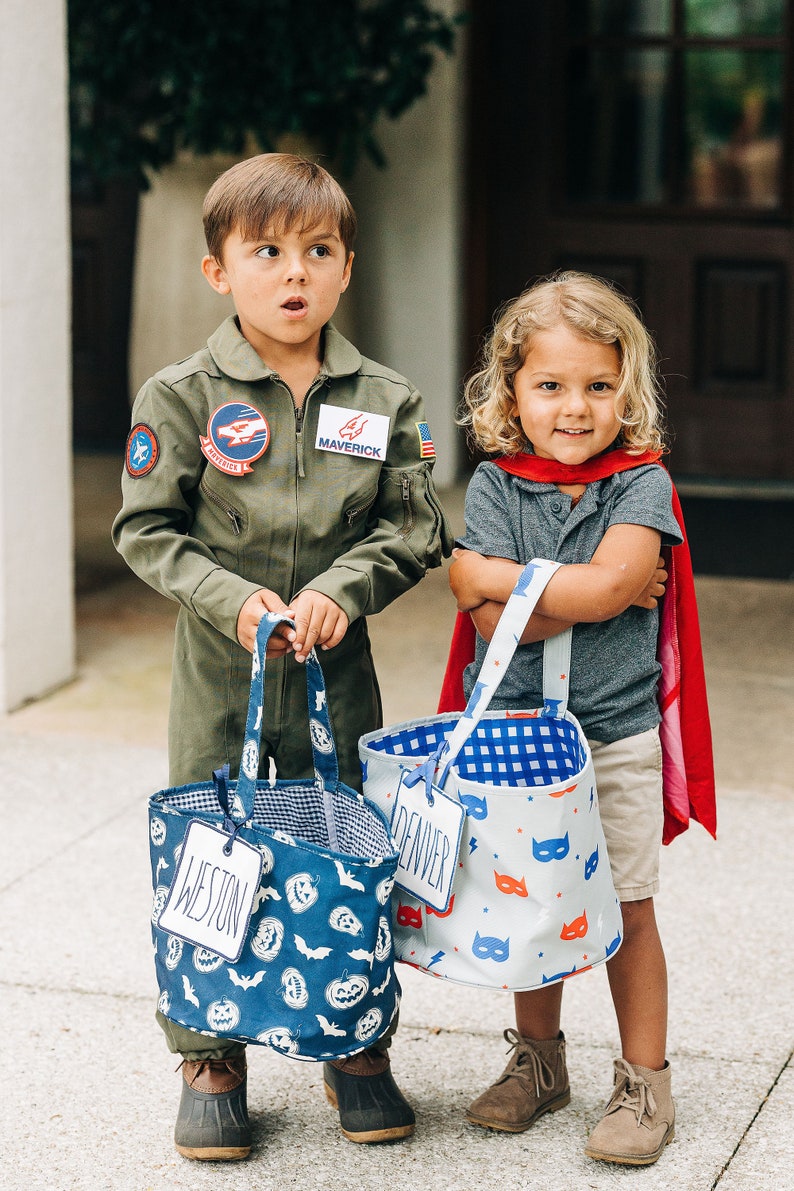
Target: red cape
x=685, y=729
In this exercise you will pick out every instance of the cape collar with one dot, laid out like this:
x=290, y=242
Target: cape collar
x=549, y=471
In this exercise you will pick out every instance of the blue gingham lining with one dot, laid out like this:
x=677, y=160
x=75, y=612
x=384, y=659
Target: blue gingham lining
x=300, y=811
x=507, y=751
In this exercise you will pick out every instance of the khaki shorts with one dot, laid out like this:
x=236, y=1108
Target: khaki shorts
x=629, y=779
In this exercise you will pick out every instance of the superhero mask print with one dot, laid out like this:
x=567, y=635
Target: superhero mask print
x=546, y=850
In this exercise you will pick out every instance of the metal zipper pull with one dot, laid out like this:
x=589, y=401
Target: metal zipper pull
x=232, y=513
x=299, y=439
x=406, y=485
x=234, y=517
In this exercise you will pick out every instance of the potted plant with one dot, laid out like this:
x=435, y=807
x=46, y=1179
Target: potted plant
x=152, y=79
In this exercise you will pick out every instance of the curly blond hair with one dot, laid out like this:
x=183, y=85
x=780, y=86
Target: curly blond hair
x=591, y=308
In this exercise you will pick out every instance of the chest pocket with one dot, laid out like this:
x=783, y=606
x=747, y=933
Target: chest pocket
x=359, y=507
x=232, y=516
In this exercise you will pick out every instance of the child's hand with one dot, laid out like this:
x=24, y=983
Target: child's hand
x=252, y=612
x=319, y=621
x=649, y=598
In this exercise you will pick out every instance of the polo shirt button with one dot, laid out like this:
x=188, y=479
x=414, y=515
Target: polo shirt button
x=556, y=506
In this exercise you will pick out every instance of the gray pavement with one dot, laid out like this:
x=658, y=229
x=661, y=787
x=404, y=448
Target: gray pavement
x=90, y=1092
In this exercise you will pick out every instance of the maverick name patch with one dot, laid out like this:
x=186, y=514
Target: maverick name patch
x=142, y=450
x=237, y=435
x=352, y=432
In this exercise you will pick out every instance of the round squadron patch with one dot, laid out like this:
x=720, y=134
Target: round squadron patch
x=237, y=435
x=143, y=450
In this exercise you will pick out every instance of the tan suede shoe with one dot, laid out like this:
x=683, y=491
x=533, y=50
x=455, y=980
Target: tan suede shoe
x=639, y=1119
x=535, y=1081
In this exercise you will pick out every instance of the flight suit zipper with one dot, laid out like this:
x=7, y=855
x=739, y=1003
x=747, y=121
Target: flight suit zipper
x=409, y=513
x=300, y=412
x=299, y=415
x=351, y=514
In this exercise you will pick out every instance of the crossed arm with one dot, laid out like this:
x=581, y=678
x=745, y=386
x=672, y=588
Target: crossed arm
x=626, y=569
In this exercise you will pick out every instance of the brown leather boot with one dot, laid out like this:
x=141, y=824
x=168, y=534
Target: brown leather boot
x=639, y=1119
x=212, y=1123
x=535, y=1081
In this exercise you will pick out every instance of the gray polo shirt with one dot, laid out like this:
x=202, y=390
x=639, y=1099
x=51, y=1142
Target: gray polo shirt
x=614, y=671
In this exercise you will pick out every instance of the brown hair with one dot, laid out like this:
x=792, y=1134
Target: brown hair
x=591, y=308
x=275, y=191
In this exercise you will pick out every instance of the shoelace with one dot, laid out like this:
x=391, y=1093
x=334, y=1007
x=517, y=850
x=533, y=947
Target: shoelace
x=527, y=1065
x=631, y=1091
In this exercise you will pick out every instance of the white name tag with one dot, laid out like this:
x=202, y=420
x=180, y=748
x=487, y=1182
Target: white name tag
x=212, y=895
x=352, y=432
x=428, y=838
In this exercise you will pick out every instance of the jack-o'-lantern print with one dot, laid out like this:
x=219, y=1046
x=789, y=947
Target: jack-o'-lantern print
x=301, y=892
x=250, y=759
x=205, y=961
x=173, y=952
x=164, y=1003
x=267, y=859
x=368, y=1025
x=158, y=901
x=293, y=989
x=284, y=838
x=321, y=738
x=383, y=941
x=383, y=890
x=343, y=919
x=223, y=1015
x=281, y=1039
x=157, y=832
x=347, y=991
x=268, y=939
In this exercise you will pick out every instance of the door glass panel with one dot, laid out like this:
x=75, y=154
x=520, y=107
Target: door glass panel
x=733, y=128
x=622, y=17
x=618, y=105
x=734, y=18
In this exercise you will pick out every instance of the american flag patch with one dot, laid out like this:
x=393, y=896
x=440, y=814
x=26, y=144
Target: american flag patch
x=426, y=448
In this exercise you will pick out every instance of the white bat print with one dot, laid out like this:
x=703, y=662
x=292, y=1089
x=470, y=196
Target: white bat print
x=246, y=981
x=311, y=952
x=329, y=1027
x=361, y=954
x=376, y=992
x=262, y=894
x=190, y=992
x=346, y=878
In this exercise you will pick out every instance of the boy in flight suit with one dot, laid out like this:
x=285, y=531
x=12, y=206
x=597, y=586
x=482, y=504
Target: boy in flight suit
x=276, y=470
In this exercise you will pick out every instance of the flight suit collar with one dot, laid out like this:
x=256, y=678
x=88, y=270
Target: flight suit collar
x=235, y=356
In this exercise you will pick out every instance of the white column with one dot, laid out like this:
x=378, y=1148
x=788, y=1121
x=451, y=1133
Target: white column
x=36, y=537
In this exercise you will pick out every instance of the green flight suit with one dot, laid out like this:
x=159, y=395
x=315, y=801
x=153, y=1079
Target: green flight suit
x=361, y=530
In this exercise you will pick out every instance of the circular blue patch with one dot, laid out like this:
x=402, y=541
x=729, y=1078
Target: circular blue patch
x=142, y=451
x=239, y=434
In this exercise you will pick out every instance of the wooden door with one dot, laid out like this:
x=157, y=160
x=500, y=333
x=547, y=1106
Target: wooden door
x=649, y=141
